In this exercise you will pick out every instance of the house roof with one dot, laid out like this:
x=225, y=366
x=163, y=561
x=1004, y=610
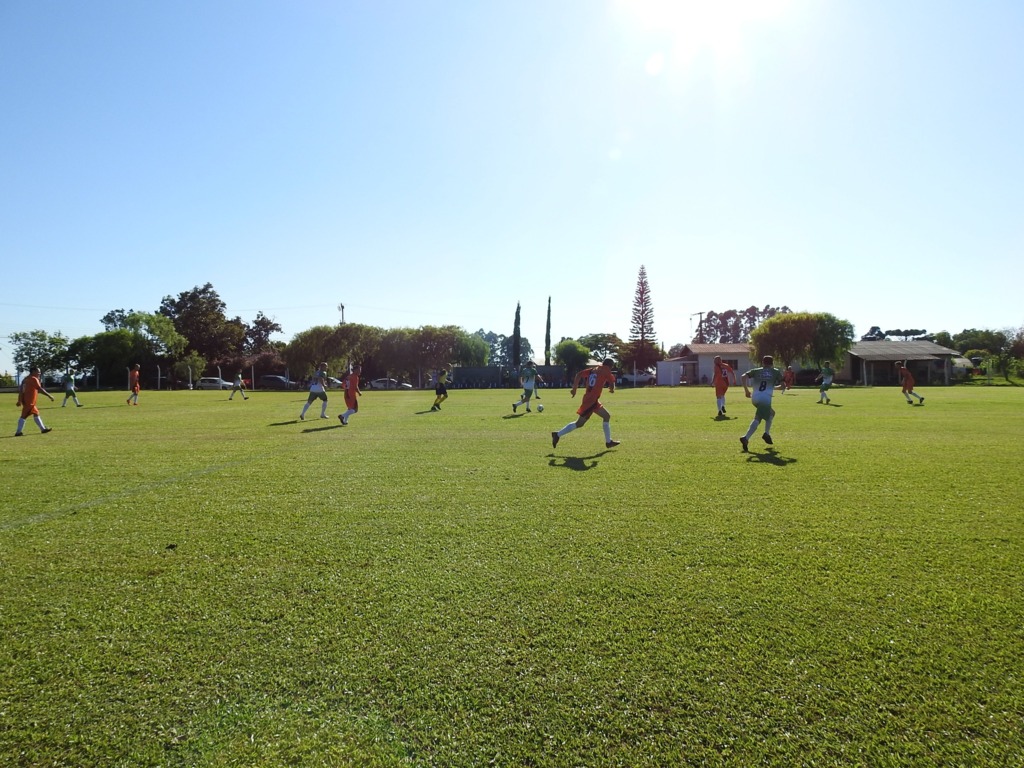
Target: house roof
x=717, y=349
x=886, y=350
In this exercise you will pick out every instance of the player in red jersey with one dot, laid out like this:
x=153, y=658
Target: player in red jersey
x=352, y=392
x=133, y=385
x=595, y=379
x=907, y=382
x=723, y=374
x=28, y=393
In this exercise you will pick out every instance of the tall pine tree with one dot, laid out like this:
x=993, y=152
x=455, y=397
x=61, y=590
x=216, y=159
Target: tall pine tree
x=547, y=337
x=516, y=341
x=642, y=351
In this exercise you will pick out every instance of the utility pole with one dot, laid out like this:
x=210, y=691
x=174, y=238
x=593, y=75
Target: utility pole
x=700, y=326
x=341, y=308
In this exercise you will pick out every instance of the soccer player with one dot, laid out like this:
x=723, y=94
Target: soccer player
x=440, y=390
x=317, y=391
x=28, y=393
x=907, y=381
x=722, y=373
x=825, y=377
x=764, y=380
x=238, y=386
x=528, y=380
x=595, y=380
x=788, y=378
x=352, y=391
x=68, y=381
x=133, y=385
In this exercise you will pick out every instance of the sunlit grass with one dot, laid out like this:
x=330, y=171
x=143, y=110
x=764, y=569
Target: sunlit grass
x=202, y=582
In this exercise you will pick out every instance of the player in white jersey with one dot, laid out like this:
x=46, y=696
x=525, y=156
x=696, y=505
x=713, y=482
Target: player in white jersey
x=317, y=391
x=764, y=380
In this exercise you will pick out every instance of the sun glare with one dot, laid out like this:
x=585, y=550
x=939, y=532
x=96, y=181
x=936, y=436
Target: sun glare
x=692, y=28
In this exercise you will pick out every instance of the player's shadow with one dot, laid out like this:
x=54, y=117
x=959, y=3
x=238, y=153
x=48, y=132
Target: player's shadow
x=324, y=428
x=282, y=423
x=771, y=456
x=576, y=463
x=513, y=415
x=424, y=413
x=724, y=418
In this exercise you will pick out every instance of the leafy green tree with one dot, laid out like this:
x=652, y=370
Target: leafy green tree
x=787, y=337
x=39, y=349
x=802, y=336
x=571, y=354
x=471, y=351
x=395, y=355
x=906, y=334
x=164, y=340
x=972, y=338
x=258, y=333
x=602, y=345
x=309, y=348
x=832, y=338
x=116, y=318
x=198, y=315
x=734, y=326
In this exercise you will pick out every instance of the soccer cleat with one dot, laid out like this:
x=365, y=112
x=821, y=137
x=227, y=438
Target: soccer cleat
x=909, y=401
x=19, y=434
x=827, y=401
x=743, y=442
x=78, y=405
x=723, y=410
x=612, y=443
x=922, y=401
x=44, y=430
x=528, y=410
x=302, y=417
x=433, y=407
x=767, y=438
x=323, y=415
x=554, y=439
x=129, y=401
x=342, y=420
x=514, y=407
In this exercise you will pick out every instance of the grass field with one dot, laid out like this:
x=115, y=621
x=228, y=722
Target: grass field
x=197, y=582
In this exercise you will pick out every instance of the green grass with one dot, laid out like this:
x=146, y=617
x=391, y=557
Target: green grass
x=196, y=582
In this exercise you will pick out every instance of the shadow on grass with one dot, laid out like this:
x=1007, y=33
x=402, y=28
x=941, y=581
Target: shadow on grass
x=324, y=428
x=576, y=463
x=724, y=418
x=770, y=456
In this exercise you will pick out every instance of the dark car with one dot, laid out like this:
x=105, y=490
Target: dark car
x=270, y=381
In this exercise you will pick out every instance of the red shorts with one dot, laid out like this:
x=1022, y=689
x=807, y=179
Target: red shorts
x=586, y=410
x=29, y=410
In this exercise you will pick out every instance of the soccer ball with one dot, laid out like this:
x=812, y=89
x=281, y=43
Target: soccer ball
x=540, y=407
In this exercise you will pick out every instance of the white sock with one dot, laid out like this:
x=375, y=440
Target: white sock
x=753, y=427
x=607, y=431
x=721, y=403
x=567, y=429
x=346, y=414
x=21, y=425
x=39, y=422
x=768, y=424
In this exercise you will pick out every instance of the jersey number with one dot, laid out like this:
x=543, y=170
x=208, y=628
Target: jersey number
x=763, y=387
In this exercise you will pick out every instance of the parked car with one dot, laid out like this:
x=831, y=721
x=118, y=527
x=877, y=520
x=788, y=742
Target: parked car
x=270, y=381
x=212, y=382
x=640, y=378
x=386, y=383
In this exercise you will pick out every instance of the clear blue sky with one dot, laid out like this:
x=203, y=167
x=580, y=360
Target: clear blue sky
x=432, y=163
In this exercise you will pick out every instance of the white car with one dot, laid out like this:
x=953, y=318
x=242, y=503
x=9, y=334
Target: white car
x=212, y=382
x=389, y=384
x=638, y=379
